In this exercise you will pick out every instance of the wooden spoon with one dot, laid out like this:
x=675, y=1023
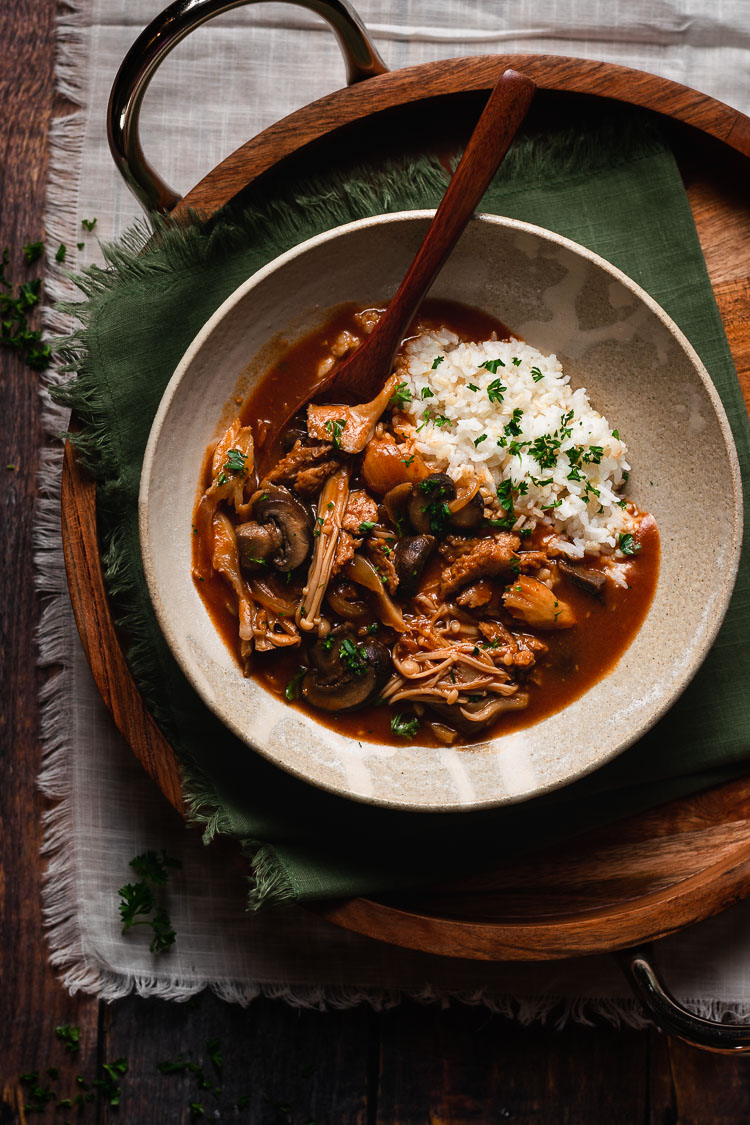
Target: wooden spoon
x=362, y=376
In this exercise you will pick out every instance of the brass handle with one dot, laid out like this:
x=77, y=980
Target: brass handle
x=722, y=1038
x=154, y=44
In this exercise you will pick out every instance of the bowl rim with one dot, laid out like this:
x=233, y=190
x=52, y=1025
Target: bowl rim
x=734, y=502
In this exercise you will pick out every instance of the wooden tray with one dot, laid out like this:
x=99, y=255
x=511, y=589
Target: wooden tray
x=640, y=878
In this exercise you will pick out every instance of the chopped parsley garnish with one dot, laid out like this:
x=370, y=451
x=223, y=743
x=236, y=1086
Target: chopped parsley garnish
x=616, y=434
x=472, y=387
x=516, y=448
x=479, y=440
x=365, y=526
x=373, y=628
x=405, y=728
x=61, y=252
x=516, y=361
x=88, y=224
x=353, y=657
x=441, y=421
x=545, y=450
x=139, y=906
x=291, y=691
x=436, y=363
x=594, y=454
x=540, y=483
x=512, y=428
x=235, y=462
x=335, y=430
x=407, y=460
x=627, y=544
x=438, y=515
x=575, y=475
x=427, y=393
x=492, y=365
x=505, y=496
x=495, y=391
x=549, y=507
x=426, y=416
x=401, y=395
x=536, y=374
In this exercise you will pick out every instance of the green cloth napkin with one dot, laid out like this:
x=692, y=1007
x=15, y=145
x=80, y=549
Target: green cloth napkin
x=613, y=185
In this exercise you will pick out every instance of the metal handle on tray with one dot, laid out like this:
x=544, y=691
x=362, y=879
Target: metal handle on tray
x=154, y=44
x=709, y=1035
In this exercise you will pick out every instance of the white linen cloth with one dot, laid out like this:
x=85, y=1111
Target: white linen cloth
x=229, y=80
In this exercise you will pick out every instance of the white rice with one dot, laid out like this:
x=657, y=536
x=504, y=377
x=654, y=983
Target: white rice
x=460, y=430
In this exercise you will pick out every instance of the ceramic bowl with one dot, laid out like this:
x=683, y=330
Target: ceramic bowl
x=611, y=338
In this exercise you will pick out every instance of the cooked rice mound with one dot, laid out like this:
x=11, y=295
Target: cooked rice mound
x=506, y=412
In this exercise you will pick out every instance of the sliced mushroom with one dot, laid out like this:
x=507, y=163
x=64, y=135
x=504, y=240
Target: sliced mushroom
x=585, y=578
x=410, y=556
x=428, y=504
x=396, y=502
x=257, y=543
x=474, y=716
x=279, y=507
x=434, y=507
x=345, y=674
x=469, y=517
x=344, y=600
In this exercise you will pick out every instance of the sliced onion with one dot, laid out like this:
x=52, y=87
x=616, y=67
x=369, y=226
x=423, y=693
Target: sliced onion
x=362, y=571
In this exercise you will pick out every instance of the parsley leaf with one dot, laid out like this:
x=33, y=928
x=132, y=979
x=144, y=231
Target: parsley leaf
x=88, y=224
x=335, y=429
x=479, y=440
x=401, y=395
x=628, y=545
x=32, y=251
x=427, y=393
x=291, y=691
x=495, y=391
x=436, y=363
x=70, y=1036
x=138, y=900
x=536, y=374
x=405, y=728
x=235, y=462
x=492, y=365
x=353, y=657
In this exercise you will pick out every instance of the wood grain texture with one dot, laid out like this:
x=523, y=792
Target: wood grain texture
x=407, y=1065
x=419, y=84
x=31, y=1003
x=634, y=881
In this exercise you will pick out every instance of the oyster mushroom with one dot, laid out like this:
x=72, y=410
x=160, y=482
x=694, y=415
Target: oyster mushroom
x=410, y=556
x=345, y=674
x=280, y=534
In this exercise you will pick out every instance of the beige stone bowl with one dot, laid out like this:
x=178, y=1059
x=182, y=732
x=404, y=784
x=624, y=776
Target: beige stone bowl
x=638, y=368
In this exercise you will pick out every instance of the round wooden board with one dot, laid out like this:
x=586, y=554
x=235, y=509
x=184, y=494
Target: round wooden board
x=640, y=878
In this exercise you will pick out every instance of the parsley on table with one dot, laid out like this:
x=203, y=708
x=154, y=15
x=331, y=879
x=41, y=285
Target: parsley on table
x=88, y=224
x=139, y=906
x=15, y=307
x=70, y=1036
x=32, y=251
x=60, y=253
x=405, y=728
x=627, y=544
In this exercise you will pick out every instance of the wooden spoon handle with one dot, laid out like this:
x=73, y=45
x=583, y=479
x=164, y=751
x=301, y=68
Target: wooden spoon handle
x=505, y=110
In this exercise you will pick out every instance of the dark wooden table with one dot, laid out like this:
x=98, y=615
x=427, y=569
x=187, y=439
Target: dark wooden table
x=413, y=1063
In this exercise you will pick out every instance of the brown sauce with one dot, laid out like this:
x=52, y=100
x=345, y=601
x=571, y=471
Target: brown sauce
x=577, y=657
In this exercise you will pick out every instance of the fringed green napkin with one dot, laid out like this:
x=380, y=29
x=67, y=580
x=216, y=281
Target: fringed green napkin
x=613, y=187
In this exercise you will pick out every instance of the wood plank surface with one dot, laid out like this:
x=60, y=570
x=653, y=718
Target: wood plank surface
x=412, y=1064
